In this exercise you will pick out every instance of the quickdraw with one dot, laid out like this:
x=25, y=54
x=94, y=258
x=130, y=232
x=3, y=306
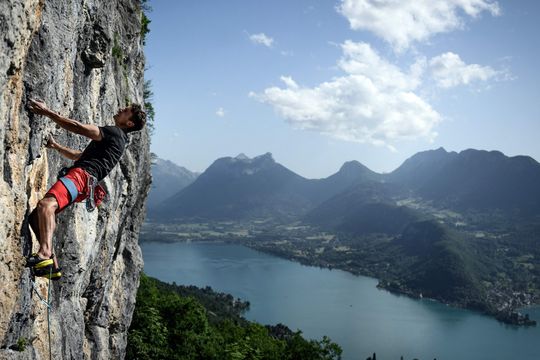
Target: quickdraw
x=97, y=193
x=90, y=201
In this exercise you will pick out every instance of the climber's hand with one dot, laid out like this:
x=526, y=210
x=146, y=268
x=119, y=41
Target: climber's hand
x=38, y=107
x=51, y=143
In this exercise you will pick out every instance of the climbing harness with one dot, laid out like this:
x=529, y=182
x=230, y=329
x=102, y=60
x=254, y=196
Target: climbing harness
x=47, y=303
x=96, y=192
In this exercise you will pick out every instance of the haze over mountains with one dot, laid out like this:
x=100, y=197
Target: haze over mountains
x=167, y=179
x=235, y=188
x=241, y=187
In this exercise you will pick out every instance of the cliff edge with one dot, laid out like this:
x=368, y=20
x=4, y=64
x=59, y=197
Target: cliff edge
x=85, y=60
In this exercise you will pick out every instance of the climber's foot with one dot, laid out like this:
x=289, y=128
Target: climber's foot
x=36, y=262
x=49, y=272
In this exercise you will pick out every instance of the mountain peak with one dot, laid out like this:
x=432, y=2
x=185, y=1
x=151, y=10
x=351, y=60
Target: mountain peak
x=440, y=149
x=352, y=165
x=168, y=167
x=257, y=159
x=417, y=166
x=438, y=153
x=423, y=157
x=265, y=156
x=242, y=156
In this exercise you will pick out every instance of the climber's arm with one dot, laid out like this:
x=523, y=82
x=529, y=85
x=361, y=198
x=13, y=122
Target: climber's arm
x=89, y=130
x=65, y=151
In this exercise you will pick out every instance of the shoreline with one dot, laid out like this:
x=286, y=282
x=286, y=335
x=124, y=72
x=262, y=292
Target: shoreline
x=512, y=317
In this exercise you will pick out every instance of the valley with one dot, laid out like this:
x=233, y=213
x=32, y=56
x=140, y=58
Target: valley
x=510, y=282
x=461, y=228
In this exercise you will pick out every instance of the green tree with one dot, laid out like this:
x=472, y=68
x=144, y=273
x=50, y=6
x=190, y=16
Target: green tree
x=167, y=325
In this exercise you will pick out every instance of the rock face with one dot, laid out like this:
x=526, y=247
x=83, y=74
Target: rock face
x=85, y=60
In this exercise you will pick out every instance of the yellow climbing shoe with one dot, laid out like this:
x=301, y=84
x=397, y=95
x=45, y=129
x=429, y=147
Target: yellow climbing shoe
x=48, y=273
x=34, y=261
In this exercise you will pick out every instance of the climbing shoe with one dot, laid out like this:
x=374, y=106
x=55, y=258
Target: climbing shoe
x=35, y=262
x=47, y=272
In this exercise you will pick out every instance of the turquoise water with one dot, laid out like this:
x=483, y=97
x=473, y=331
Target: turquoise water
x=347, y=308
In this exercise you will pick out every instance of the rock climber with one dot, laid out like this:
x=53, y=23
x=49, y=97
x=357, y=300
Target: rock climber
x=77, y=182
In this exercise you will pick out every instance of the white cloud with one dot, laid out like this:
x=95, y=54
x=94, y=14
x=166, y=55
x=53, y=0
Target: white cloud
x=261, y=39
x=402, y=22
x=361, y=59
x=373, y=102
x=220, y=112
x=289, y=82
x=448, y=70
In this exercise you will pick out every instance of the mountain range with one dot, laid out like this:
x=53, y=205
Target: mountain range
x=462, y=228
x=241, y=187
x=238, y=188
x=476, y=179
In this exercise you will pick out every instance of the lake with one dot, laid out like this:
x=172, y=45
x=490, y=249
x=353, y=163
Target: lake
x=347, y=308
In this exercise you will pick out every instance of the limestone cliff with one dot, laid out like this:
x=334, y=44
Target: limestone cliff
x=85, y=59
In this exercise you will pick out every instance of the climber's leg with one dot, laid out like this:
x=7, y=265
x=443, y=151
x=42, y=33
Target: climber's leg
x=33, y=220
x=47, y=222
x=68, y=189
x=46, y=218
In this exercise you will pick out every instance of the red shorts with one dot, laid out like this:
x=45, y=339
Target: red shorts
x=72, y=189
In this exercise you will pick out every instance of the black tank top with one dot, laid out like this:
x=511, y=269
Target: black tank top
x=99, y=157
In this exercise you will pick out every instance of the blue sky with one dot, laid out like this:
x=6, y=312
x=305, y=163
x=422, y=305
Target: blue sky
x=318, y=83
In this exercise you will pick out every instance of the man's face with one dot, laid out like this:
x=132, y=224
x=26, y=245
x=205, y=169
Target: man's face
x=123, y=117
